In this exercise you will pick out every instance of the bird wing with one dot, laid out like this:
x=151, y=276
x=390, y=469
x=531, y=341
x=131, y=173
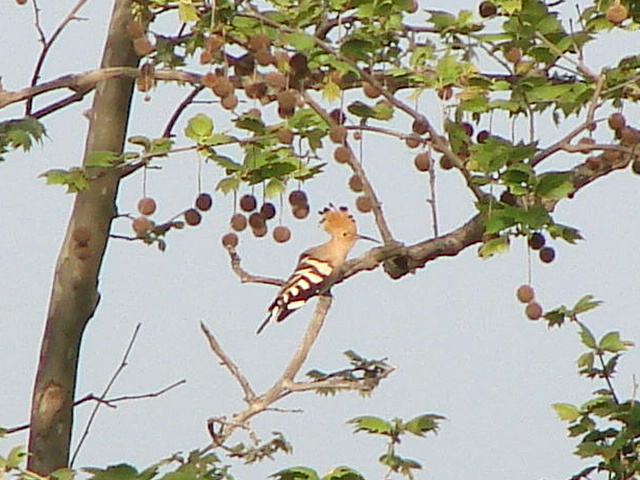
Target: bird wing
x=309, y=277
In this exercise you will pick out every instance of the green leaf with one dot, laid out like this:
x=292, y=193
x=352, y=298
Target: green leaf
x=566, y=411
x=216, y=139
x=343, y=473
x=383, y=111
x=554, y=186
x=99, y=158
x=63, y=474
x=331, y=91
x=494, y=246
x=75, y=178
x=199, y=127
x=371, y=424
x=585, y=361
x=114, y=472
x=226, y=162
x=300, y=41
x=141, y=140
x=585, y=304
x=361, y=109
x=296, y=473
x=273, y=188
x=160, y=146
x=611, y=342
x=16, y=457
x=251, y=123
x=227, y=185
x=587, y=449
x=423, y=424
x=187, y=12
x=587, y=337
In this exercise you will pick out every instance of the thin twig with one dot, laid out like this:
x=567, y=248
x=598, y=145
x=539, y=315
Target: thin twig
x=46, y=44
x=178, y=111
x=246, y=277
x=116, y=374
x=249, y=394
x=432, y=201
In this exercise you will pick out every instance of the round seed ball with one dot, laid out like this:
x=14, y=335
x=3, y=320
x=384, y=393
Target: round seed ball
x=616, y=121
x=616, y=13
x=147, y=206
x=355, y=183
x=342, y=154
x=547, y=254
x=256, y=220
x=281, y=234
x=230, y=240
x=204, y=202
x=268, y=210
x=300, y=211
x=525, y=293
x=248, y=203
x=364, y=204
x=536, y=241
x=238, y=222
x=422, y=162
x=419, y=127
x=259, y=232
x=141, y=225
x=487, y=9
x=298, y=197
x=192, y=217
x=533, y=310
x=338, y=134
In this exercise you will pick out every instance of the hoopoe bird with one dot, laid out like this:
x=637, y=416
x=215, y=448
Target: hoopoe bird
x=317, y=266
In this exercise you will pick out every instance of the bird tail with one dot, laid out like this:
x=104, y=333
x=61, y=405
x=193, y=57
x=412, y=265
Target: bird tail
x=264, y=324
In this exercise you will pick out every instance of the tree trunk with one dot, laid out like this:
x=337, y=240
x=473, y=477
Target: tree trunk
x=74, y=294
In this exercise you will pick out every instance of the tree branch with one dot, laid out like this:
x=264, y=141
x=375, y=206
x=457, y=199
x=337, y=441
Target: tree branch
x=183, y=105
x=246, y=277
x=46, y=44
x=112, y=380
x=249, y=394
x=281, y=387
x=109, y=402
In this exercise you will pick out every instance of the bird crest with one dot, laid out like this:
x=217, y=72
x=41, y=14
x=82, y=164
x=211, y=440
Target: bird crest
x=337, y=219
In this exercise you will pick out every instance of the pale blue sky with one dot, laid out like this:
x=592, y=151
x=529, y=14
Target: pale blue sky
x=458, y=336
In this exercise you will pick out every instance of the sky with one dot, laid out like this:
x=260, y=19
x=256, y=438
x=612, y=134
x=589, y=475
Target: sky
x=455, y=331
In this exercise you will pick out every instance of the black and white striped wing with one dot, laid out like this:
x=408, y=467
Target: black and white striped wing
x=308, y=278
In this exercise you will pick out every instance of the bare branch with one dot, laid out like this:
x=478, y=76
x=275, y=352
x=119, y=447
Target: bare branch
x=280, y=388
x=249, y=394
x=114, y=377
x=310, y=336
x=183, y=105
x=85, y=80
x=55, y=106
x=246, y=277
x=46, y=44
x=109, y=402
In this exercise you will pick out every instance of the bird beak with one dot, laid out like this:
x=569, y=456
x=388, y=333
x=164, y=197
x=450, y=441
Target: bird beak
x=364, y=237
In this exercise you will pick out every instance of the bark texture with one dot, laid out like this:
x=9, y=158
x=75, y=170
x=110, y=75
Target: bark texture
x=74, y=293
